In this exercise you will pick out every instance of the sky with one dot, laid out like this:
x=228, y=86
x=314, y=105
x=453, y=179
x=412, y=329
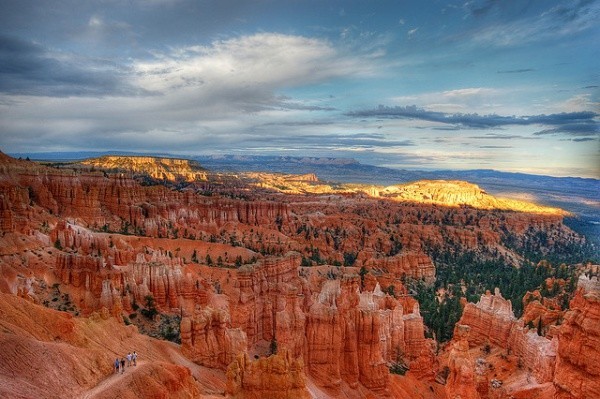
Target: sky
x=483, y=84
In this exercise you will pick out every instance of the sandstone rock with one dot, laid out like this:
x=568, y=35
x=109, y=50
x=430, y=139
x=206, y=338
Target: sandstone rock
x=50, y=354
x=278, y=376
x=490, y=320
x=461, y=382
x=577, y=373
x=416, y=265
x=207, y=339
x=158, y=168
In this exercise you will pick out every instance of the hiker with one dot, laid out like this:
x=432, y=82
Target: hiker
x=129, y=359
x=122, y=365
x=117, y=366
x=134, y=357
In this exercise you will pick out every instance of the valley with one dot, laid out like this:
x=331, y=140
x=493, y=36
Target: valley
x=278, y=284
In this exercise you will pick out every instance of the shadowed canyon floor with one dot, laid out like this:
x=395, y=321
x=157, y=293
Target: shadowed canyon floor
x=281, y=286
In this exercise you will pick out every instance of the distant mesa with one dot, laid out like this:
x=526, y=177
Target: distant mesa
x=460, y=193
x=158, y=168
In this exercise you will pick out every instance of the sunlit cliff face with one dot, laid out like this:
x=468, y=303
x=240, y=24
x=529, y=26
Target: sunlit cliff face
x=457, y=193
x=439, y=192
x=158, y=168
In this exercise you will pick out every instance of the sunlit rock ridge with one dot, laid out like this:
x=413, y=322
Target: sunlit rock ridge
x=158, y=168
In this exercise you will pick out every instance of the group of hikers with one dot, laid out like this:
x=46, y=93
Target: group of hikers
x=131, y=358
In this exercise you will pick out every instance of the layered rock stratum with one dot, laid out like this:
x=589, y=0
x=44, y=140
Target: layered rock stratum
x=158, y=168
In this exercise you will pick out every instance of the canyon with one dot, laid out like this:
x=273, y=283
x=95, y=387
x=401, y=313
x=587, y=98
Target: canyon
x=272, y=286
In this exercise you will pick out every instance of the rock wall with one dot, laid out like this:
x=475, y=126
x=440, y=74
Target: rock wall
x=159, y=168
x=492, y=321
x=577, y=372
x=461, y=383
x=407, y=264
x=354, y=337
x=207, y=339
x=340, y=334
x=279, y=376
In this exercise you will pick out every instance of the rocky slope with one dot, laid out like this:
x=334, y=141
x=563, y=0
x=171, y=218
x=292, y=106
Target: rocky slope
x=50, y=354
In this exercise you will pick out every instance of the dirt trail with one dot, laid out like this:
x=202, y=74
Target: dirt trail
x=113, y=379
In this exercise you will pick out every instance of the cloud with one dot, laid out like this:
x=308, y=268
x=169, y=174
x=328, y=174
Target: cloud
x=30, y=69
x=262, y=59
x=187, y=98
x=331, y=141
x=573, y=129
x=243, y=73
x=299, y=123
x=583, y=139
x=579, y=102
x=497, y=136
x=457, y=100
x=578, y=123
x=559, y=21
x=517, y=70
x=479, y=9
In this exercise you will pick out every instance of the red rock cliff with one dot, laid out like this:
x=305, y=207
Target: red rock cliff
x=577, y=372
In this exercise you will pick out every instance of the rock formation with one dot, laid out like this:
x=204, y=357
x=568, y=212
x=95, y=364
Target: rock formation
x=577, y=373
x=279, y=376
x=207, y=339
x=461, y=382
x=354, y=337
x=492, y=321
x=455, y=193
x=158, y=168
x=415, y=265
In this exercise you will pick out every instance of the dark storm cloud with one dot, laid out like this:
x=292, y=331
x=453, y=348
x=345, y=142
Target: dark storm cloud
x=28, y=68
x=575, y=122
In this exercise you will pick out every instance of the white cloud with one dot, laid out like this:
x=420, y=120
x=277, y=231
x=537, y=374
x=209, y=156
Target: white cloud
x=202, y=94
x=559, y=21
x=577, y=103
x=264, y=60
x=471, y=99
